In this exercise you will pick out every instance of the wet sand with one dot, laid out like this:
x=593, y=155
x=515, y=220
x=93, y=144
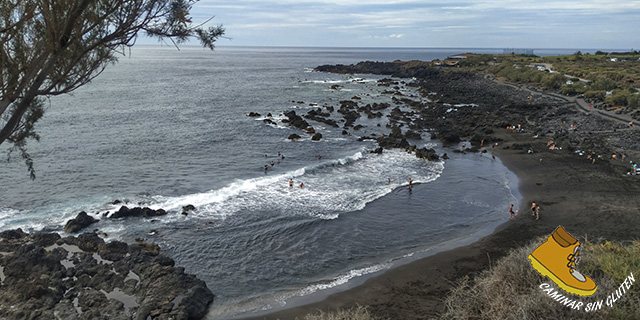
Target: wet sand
x=592, y=200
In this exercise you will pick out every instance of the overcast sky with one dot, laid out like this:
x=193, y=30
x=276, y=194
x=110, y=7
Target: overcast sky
x=596, y=24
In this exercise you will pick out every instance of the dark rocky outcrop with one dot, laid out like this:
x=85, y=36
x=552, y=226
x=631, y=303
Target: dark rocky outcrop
x=253, y=114
x=188, y=208
x=49, y=277
x=318, y=115
x=295, y=120
x=317, y=137
x=269, y=121
x=350, y=117
x=137, y=212
x=294, y=136
x=81, y=221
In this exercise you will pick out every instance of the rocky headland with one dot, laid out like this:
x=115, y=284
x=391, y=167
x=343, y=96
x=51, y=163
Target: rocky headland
x=46, y=276
x=463, y=106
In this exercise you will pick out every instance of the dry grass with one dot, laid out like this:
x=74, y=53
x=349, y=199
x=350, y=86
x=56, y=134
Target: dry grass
x=510, y=290
x=356, y=313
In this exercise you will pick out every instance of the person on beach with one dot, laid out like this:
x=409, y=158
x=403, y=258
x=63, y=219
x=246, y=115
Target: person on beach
x=533, y=208
x=511, y=213
x=537, y=212
x=290, y=183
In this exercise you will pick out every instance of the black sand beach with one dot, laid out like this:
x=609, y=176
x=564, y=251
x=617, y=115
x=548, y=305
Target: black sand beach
x=594, y=200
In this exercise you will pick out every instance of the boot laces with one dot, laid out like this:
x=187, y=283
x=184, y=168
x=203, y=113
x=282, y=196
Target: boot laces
x=573, y=258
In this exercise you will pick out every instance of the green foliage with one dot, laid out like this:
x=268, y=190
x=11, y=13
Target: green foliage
x=597, y=95
x=618, y=98
x=574, y=88
x=633, y=101
x=604, y=84
x=52, y=47
x=616, y=262
x=553, y=81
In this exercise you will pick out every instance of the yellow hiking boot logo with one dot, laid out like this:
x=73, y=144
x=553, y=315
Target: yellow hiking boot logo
x=556, y=259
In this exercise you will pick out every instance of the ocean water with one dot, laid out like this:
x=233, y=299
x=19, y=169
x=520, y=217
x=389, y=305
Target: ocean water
x=166, y=128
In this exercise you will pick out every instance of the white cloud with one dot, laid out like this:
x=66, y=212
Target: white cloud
x=445, y=22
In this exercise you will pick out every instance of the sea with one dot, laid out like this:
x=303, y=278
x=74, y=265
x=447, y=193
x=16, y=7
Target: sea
x=167, y=128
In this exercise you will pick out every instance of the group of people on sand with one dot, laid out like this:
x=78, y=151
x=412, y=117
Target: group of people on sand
x=535, y=211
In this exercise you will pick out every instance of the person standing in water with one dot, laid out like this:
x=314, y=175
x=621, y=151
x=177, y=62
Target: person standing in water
x=410, y=182
x=290, y=183
x=513, y=214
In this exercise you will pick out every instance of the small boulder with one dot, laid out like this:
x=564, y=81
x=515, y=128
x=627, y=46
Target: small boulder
x=137, y=212
x=187, y=208
x=253, y=114
x=294, y=136
x=317, y=137
x=80, y=222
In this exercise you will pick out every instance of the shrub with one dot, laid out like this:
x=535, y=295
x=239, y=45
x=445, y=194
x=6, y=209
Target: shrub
x=356, y=313
x=574, y=88
x=595, y=95
x=618, y=98
x=603, y=84
x=634, y=101
x=510, y=289
x=553, y=81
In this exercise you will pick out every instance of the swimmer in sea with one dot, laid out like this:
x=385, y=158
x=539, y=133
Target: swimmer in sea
x=272, y=163
x=301, y=185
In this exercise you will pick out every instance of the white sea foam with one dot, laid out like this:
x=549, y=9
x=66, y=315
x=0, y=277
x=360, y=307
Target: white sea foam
x=342, y=279
x=331, y=187
x=325, y=81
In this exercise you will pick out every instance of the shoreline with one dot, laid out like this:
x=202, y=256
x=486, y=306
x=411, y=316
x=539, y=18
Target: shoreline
x=591, y=200
x=417, y=289
x=371, y=290
x=418, y=253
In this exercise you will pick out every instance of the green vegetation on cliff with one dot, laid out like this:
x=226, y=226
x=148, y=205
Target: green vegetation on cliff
x=611, y=78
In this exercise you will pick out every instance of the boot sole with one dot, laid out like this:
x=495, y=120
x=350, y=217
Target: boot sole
x=547, y=273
